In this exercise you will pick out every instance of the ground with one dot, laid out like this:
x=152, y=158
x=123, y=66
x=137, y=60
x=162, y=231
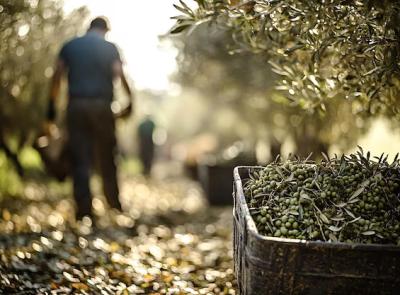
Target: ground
x=169, y=242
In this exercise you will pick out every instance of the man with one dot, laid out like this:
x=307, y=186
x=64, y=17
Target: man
x=92, y=64
x=146, y=144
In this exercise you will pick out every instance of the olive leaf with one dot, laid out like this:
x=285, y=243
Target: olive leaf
x=338, y=218
x=341, y=205
x=357, y=193
x=334, y=228
x=368, y=233
x=324, y=218
x=332, y=237
x=279, y=171
x=301, y=212
x=349, y=213
x=290, y=178
x=355, y=219
x=326, y=157
x=305, y=196
x=352, y=201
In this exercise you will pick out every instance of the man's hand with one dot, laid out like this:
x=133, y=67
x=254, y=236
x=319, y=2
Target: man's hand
x=51, y=110
x=51, y=114
x=125, y=113
x=50, y=129
x=118, y=72
x=48, y=125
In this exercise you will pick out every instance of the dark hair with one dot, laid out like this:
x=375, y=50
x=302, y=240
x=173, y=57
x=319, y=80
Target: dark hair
x=100, y=23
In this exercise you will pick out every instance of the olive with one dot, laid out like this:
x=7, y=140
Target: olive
x=314, y=234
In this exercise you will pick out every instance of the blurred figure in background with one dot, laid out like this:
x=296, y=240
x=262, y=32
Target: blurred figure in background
x=146, y=144
x=92, y=64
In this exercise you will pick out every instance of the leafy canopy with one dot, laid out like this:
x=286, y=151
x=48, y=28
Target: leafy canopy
x=323, y=49
x=243, y=83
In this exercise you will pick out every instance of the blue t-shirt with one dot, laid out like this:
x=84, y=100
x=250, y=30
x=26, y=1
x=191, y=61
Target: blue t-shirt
x=89, y=60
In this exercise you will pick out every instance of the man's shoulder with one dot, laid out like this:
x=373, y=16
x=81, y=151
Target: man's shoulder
x=86, y=41
x=111, y=49
x=91, y=39
x=110, y=45
x=71, y=42
x=99, y=43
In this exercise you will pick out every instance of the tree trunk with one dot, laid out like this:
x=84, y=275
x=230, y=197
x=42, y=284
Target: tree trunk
x=275, y=148
x=307, y=142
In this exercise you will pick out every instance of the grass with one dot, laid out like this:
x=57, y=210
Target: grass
x=11, y=184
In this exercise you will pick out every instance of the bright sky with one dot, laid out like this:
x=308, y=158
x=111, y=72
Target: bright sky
x=135, y=28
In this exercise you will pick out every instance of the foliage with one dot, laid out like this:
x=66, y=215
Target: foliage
x=10, y=183
x=31, y=33
x=243, y=82
x=229, y=85
x=323, y=50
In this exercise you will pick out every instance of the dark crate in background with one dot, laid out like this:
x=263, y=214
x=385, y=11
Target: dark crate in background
x=272, y=266
x=216, y=181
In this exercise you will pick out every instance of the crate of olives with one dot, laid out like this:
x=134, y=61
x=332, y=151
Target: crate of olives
x=318, y=228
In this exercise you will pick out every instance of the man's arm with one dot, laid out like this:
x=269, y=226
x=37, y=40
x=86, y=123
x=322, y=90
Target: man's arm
x=55, y=89
x=119, y=73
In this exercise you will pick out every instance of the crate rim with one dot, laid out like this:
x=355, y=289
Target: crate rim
x=251, y=226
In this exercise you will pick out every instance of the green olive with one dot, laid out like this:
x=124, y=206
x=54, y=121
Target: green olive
x=314, y=234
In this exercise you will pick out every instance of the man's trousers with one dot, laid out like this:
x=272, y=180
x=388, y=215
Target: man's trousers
x=91, y=131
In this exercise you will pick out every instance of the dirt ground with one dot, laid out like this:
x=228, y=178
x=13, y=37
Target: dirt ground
x=169, y=241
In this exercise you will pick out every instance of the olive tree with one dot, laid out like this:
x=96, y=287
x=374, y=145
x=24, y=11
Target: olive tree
x=227, y=78
x=323, y=50
x=31, y=34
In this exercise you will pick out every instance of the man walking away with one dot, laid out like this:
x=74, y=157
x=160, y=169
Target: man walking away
x=92, y=64
x=146, y=144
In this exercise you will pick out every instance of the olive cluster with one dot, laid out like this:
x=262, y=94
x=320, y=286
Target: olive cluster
x=350, y=199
